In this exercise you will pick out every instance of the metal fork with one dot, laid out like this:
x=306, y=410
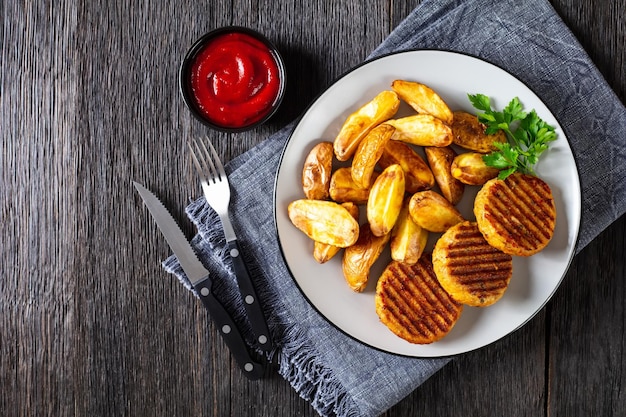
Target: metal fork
x=217, y=193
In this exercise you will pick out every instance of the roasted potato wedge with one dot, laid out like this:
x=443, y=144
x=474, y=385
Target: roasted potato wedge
x=469, y=168
x=381, y=108
x=343, y=188
x=385, y=200
x=433, y=212
x=323, y=252
x=417, y=174
x=359, y=258
x=368, y=153
x=422, y=130
x=408, y=240
x=324, y=221
x=440, y=161
x=469, y=133
x=423, y=99
x=317, y=171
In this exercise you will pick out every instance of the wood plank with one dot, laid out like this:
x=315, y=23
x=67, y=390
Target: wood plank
x=586, y=367
x=587, y=371
x=37, y=160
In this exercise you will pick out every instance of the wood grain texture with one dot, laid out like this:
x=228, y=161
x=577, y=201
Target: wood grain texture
x=90, y=324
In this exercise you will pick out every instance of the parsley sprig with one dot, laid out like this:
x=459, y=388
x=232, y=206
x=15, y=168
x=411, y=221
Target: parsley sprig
x=528, y=135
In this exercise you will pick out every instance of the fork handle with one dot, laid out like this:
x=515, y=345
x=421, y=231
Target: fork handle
x=250, y=298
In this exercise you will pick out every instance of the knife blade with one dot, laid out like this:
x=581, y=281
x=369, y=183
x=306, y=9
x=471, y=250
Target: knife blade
x=200, y=279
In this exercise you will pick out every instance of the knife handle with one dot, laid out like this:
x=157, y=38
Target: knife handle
x=229, y=331
x=250, y=298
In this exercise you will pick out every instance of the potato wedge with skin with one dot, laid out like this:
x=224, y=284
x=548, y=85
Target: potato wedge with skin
x=421, y=130
x=381, y=108
x=417, y=174
x=408, y=239
x=343, y=188
x=359, y=258
x=469, y=168
x=317, y=171
x=440, y=161
x=368, y=153
x=433, y=212
x=469, y=133
x=423, y=99
x=385, y=200
x=323, y=252
x=324, y=221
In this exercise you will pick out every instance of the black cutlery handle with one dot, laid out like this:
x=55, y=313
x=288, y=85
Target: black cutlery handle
x=229, y=331
x=251, y=301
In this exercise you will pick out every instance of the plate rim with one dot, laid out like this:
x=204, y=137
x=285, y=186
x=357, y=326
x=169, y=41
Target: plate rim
x=575, y=223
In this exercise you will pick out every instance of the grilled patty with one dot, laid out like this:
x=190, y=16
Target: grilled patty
x=412, y=304
x=471, y=270
x=516, y=215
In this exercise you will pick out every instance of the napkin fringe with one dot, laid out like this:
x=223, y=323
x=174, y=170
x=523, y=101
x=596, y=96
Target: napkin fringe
x=314, y=382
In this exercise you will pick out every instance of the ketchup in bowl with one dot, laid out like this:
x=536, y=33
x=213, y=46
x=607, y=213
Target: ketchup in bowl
x=232, y=79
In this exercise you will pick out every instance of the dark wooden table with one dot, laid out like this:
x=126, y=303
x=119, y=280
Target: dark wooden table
x=90, y=325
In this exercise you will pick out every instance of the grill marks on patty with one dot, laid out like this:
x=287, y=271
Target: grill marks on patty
x=412, y=304
x=516, y=215
x=468, y=268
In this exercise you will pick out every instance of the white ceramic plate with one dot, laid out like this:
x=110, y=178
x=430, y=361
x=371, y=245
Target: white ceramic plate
x=452, y=75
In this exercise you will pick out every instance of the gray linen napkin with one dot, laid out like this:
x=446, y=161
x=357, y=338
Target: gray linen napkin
x=530, y=41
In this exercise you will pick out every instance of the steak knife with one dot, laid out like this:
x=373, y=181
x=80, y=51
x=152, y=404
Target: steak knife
x=201, y=281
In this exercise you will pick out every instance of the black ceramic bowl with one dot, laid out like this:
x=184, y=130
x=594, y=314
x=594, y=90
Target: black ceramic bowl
x=199, y=88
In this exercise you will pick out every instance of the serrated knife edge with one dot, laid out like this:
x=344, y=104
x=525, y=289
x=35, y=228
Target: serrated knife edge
x=175, y=237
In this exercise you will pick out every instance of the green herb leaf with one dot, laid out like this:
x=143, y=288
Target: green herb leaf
x=514, y=111
x=481, y=102
x=496, y=160
x=506, y=172
x=527, y=134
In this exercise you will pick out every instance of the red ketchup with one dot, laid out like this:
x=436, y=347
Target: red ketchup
x=235, y=80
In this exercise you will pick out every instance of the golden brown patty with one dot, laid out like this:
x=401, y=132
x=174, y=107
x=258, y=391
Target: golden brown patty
x=412, y=304
x=516, y=215
x=468, y=268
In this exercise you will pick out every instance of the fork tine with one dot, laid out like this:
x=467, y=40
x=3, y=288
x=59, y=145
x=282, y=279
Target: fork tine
x=208, y=162
x=217, y=160
x=195, y=159
x=215, y=175
x=203, y=162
